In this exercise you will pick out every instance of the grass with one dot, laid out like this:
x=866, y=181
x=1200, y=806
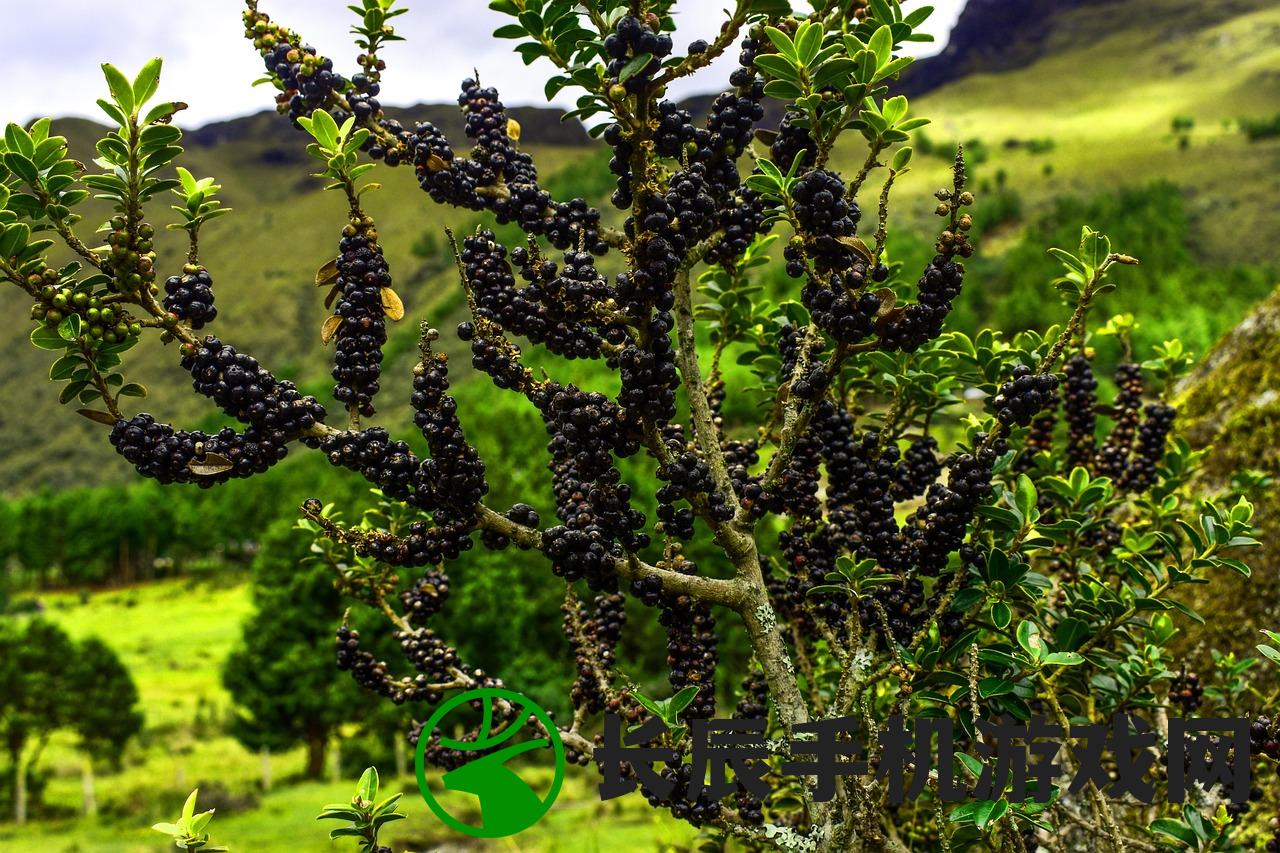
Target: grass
x=1108, y=107
x=174, y=636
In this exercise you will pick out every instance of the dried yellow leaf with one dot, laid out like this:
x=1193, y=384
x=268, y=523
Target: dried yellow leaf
x=100, y=417
x=327, y=274
x=513, y=130
x=391, y=304
x=330, y=328
x=211, y=465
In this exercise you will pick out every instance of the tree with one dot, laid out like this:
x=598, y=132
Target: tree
x=106, y=715
x=885, y=548
x=49, y=683
x=287, y=694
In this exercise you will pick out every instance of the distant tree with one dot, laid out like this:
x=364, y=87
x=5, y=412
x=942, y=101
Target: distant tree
x=49, y=682
x=33, y=682
x=286, y=693
x=106, y=715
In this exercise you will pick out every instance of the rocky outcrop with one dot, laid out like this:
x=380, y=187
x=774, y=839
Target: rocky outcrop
x=1230, y=408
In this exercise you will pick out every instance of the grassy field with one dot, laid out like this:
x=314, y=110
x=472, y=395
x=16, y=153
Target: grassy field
x=174, y=636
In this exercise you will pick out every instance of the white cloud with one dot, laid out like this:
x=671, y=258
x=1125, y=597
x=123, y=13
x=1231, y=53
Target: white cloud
x=52, y=59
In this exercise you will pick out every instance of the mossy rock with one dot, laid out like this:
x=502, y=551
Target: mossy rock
x=1230, y=406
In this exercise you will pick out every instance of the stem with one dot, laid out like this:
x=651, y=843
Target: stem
x=700, y=409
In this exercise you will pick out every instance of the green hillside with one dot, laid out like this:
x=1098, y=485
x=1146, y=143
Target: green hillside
x=1097, y=108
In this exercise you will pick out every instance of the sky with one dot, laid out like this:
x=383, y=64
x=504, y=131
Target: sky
x=210, y=65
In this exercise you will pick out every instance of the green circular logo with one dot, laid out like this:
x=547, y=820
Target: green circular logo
x=508, y=804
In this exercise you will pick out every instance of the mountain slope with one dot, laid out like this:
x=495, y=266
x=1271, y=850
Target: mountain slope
x=1099, y=87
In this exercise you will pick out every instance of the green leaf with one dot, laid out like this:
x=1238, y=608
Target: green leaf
x=22, y=166
x=634, y=67
x=121, y=88
x=1175, y=829
x=778, y=67
x=881, y=45
x=989, y=687
x=681, y=701
x=367, y=789
x=200, y=821
x=808, y=42
x=324, y=129
x=1270, y=653
x=133, y=389
x=1030, y=640
x=783, y=43
x=989, y=812
x=13, y=239
x=163, y=111
x=973, y=765
x=166, y=828
x=113, y=112
x=901, y=158
x=17, y=139
x=64, y=367
x=148, y=79
x=1001, y=615
x=70, y=390
x=1064, y=659
x=1025, y=495
x=69, y=328
x=43, y=337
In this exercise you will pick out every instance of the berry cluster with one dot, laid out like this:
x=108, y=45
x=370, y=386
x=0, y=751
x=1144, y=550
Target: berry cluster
x=425, y=545
x=702, y=810
x=840, y=304
x=632, y=37
x=688, y=478
x=307, y=81
x=391, y=465
x=592, y=504
x=910, y=327
x=918, y=470
x=793, y=137
x=691, y=651
x=498, y=176
x=453, y=478
x=248, y=392
x=894, y=610
x=594, y=637
x=189, y=296
x=99, y=320
x=1153, y=434
x=549, y=310
x=1080, y=400
x=1113, y=456
x=362, y=276
x=811, y=556
x=1024, y=396
x=860, y=480
x=131, y=261
x=938, y=528
x=159, y=451
x=426, y=597
x=825, y=216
